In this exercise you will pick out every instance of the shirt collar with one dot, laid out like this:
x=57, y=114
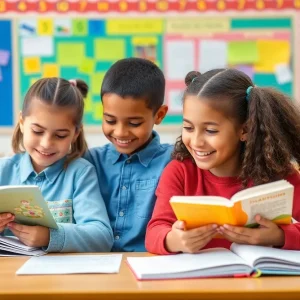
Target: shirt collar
x=145, y=155
x=51, y=173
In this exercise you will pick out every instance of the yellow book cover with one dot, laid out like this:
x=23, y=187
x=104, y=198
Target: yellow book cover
x=26, y=202
x=273, y=201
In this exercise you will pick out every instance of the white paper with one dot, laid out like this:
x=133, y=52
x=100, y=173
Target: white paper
x=213, y=55
x=71, y=264
x=283, y=73
x=37, y=46
x=28, y=27
x=180, y=59
x=175, y=101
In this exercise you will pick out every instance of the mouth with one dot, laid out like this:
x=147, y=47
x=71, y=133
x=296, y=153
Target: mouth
x=123, y=142
x=203, y=154
x=46, y=154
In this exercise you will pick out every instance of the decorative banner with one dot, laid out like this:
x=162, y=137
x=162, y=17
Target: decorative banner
x=142, y=6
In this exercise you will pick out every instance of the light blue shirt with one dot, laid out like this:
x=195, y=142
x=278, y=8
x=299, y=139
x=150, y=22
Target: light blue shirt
x=84, y=224
x=128, y=184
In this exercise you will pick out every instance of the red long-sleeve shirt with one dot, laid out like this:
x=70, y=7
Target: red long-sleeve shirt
x=186, y=179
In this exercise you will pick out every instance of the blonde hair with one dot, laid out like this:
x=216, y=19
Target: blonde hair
x=61, y=93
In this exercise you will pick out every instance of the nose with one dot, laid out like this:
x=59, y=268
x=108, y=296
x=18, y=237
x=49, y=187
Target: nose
x=197, y=140
x=46, y=142
x=121, y=131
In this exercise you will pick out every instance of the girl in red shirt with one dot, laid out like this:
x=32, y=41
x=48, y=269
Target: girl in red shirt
x=234, y=135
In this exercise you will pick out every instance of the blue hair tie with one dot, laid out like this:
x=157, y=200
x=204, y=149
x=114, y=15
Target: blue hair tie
x=248, y=92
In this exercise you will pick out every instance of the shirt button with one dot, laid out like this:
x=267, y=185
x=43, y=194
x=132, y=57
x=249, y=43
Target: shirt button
x=128, y=161
x=117, y=237
x=121, y=213
x=124, y=187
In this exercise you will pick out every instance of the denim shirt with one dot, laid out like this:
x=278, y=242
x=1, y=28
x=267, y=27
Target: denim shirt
x=73, y=197
x=128, y=184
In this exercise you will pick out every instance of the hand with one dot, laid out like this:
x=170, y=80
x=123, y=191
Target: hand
x=5, y=218
x=33, y=236
x=268, y=233
x=191, y=241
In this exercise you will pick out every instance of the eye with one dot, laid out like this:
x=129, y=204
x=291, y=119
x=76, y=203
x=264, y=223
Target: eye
x=110, y=122
x=135, y=124
x=210, y=131
x=61, y=136
x=37, y=132
x=188, y=128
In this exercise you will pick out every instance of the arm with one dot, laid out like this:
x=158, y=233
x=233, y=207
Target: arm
x=171, y=183
x=92, y=231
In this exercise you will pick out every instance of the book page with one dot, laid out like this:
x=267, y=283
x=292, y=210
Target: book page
x=71, y=264
x=274, y=205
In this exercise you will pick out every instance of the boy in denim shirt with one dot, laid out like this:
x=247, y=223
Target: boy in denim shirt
x=130, y=166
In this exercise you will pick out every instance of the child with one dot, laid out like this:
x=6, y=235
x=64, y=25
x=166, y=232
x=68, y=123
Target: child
x=234, y=135
x=129, y=168
x=50, y=131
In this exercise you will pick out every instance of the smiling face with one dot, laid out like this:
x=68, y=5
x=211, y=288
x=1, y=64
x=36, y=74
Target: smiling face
x=128, y=122
x=213, y=140
x=48, y=132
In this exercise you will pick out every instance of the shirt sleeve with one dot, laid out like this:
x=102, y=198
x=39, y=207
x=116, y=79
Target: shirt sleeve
x=171, y=183
x=91, y=231
x=292, y=231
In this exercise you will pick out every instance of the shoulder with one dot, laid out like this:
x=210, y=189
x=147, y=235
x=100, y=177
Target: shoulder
x=6, y=162
x=96, y=153
x=80, y=166
x=180, y=169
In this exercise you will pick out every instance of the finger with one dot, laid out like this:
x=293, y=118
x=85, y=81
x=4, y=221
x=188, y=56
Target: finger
x=263, y=221
x=235, y=237
x=18, y=227
x=195, y=235
x=5, y=216
x=19, y=234
x=4, y=222
x=238, y=230
x=196, y=247
x=200, y=230
x=179, y=225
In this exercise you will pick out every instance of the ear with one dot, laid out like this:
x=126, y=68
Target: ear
x=160, y=114
x=21, y=122
x=243, y=135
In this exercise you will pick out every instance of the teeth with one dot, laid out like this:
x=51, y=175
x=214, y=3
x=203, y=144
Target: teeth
x=123, y=141
x=200, y=153
x=47, y=154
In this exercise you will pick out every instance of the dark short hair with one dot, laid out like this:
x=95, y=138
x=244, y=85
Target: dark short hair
x=137, y=78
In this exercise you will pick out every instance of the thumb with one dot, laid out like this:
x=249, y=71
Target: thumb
x=262, y=221
x=179, y=225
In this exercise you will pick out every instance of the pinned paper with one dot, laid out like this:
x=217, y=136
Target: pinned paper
x=180, y=56
x=27, y=27
x=70, y=54
x=4, y=57
x=32, y=65
x=50, y=70
x=247, y=69
x=80, y=27
x=45, y=27
x=98, y=111
x=37, y=46
x=87, y=66
x=245, y=52
x=283, y=73
x=175, y=101
x=62, y=27
x=213, y=55
x=272, y=53
x=110, y=49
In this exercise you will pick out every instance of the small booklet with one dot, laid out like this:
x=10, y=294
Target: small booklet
x=11, y=246
x=26, y=202
x=273, y=201
x=241, y=261
x=71, y=264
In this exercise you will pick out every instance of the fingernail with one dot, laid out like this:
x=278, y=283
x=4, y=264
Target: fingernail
x=8, y=215
x=214, y=226
x=226, y=226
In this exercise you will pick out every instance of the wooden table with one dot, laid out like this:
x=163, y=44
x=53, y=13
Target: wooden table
x=124, y=286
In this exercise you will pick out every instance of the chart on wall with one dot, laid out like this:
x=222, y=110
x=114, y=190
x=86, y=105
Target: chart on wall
x=6, y=75
x=86, y=48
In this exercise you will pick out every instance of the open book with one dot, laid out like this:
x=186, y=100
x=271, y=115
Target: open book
x=27, y=204
x=273, y=201
x=242, y=260
x=11, y=246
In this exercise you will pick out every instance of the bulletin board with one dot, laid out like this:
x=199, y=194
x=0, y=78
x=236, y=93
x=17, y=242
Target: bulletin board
x=83, y=38
x=85, y=48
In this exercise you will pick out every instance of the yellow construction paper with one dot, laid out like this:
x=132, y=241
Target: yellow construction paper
x=45, y=27
x=98, y=111
x=50, y=70
x=32, y=65
x=109, y=49
x=242, y=52
x=96, y=81
x=70, y=54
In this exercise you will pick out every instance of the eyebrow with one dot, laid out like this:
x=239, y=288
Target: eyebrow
x=131, y=118
x=64, y=130
x=205, y=123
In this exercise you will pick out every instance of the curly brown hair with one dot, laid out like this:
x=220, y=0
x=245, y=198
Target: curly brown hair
x=62, y=93
x=272, y=121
